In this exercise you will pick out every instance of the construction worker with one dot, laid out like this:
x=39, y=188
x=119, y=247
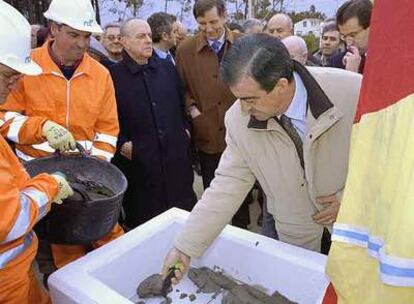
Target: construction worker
x=23, y=200
x=74, y=95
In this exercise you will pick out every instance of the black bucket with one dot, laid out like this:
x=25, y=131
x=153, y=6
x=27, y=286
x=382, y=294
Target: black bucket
x=84, y=220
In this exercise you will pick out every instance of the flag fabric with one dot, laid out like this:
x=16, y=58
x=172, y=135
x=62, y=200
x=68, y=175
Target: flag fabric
x=372, y=254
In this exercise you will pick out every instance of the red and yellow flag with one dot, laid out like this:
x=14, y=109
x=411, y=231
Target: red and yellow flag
x=372, y=255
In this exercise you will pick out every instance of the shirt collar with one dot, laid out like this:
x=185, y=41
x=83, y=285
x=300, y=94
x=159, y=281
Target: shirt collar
x=202, y=42
x=162, y=54
x=297, y=108
x=134, y=67
x=221, y=40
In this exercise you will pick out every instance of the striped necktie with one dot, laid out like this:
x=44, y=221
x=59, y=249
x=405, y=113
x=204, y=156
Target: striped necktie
x=169, y=57
x=288, y=126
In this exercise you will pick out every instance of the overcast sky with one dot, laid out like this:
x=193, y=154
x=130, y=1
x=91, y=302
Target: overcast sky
x=327, y=6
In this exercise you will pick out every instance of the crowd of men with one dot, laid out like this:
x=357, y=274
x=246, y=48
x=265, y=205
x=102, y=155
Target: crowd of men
x=144, y=94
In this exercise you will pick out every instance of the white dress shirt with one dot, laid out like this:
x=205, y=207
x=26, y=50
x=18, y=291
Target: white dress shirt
x=297, y=108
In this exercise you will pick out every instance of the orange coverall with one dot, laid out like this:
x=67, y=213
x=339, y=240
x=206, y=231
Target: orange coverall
x=85, y=105
x=23, y=202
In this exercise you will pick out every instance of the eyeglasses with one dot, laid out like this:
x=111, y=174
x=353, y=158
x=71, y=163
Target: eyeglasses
x=351, y=35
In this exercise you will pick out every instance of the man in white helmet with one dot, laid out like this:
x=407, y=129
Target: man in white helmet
x=72, y=99
x=23, y=200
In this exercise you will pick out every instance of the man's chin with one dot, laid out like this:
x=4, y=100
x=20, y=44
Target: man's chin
x=260, y=117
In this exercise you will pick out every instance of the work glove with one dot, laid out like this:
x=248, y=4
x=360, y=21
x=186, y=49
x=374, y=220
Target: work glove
x=64, y=188
x=58, y=137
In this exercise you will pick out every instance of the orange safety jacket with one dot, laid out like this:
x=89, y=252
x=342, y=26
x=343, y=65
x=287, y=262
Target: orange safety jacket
x=23, y=202
x=85, y=105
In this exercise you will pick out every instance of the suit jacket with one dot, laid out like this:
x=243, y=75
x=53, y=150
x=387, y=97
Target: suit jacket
x=198, y=67
x=262, y=150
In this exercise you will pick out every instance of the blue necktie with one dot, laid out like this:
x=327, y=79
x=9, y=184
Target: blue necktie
x=216, y=46
x=169, y=57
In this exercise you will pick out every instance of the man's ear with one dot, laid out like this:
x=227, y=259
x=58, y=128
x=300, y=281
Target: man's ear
x=165, y=36
x=54, y=28
x=123, y=42
x=282, y=85
x=225, y=15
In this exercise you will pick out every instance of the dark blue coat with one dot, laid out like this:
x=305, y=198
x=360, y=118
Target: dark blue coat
x=336, y=61
x=151, y=116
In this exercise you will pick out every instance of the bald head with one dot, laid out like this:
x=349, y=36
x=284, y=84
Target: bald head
x=132, y=25
x=280, y=26
x=136, y=38
x=297, y=48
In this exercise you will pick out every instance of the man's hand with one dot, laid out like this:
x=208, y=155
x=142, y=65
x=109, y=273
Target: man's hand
x=328, y=215
x=352, y=59
x=126, y=150
x=58, y=137
x=64, y=188
x=173, y=257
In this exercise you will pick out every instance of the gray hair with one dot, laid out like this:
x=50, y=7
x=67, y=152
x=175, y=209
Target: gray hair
x=287, y=19
x=250, y=23
x=259, y=56
x=125, y=26
x=160, y=23
x=296, y=40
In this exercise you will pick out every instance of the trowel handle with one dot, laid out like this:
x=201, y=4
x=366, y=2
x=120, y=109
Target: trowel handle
x=81, y=149
x=171, y=274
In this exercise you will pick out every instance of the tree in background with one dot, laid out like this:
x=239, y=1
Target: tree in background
x=311, y=13
x=263, y=9
x=32, y=10
x=312, y=42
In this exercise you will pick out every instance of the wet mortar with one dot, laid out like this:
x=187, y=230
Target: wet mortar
x=88, y=190
x=150, y=287
x=209, y=281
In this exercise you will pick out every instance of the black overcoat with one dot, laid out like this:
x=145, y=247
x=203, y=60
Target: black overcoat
x=151, y=116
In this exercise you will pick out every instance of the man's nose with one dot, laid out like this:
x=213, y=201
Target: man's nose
x=209, y=28
x=245, y=106
x=83, y=43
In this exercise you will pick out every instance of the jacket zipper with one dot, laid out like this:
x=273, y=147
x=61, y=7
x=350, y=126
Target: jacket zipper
x=68, y=82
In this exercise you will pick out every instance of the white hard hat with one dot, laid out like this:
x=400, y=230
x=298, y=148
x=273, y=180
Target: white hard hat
x=77, y=14
x=15, y=46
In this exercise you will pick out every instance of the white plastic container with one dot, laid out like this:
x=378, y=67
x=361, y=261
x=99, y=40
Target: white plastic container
x=111, y=274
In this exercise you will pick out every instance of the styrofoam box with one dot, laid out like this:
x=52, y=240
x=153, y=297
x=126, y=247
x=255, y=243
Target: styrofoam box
x=112, y=273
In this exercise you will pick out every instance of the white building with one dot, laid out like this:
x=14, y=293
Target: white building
x=308, y=26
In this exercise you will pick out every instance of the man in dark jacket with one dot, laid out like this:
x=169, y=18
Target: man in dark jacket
x=153, y=145
x=353, y=19
x=164, y=31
